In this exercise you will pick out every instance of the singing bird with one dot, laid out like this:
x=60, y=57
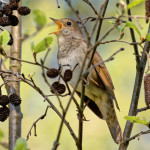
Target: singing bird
x=99, y=93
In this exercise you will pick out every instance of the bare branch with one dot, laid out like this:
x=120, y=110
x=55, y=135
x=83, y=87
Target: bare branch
x=136, y=136
x=89, y=3
x=136, y=93
x=108, y=59
x=133, y=37
x=34, y=124
x=57, y=1
x=143, y=109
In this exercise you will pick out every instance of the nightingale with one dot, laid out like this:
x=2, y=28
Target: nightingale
x=99, y=94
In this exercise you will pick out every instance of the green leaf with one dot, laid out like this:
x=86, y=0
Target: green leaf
x=134, y=3
x=39, y=17
x=131, y=25
x=1, y=134
x=4, y=38
x=20, y=144
x=134, y=119
x=43, y=45
x=148, y=37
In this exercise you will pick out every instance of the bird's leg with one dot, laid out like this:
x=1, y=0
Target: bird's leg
x=83, y=117
x=86, y=104
x=78, y=114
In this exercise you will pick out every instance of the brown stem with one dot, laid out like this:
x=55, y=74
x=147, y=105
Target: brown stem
x=15, y=116
x=137, y=136
x=34, y=124
x=143, y=109
x=133, y=37
x=136, y=94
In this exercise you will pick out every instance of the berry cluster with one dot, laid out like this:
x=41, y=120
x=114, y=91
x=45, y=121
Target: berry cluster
x=147, y=9
x=147, y=89
x=4, y=101
x=6, y=13
x=56, y=86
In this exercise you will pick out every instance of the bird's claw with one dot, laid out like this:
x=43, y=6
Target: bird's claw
x=81, y=118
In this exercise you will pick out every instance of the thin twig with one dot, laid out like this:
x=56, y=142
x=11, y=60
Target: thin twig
x=34, y=124
x=107, y=60
x=136, y=136
x=143, y=109
x=52, y=106
x=25, y=61
x=57, y=3
x=133, y=37
x=74, y=11
x=89, y=3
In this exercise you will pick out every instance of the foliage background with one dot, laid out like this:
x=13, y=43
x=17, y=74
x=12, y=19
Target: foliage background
x=122, y=70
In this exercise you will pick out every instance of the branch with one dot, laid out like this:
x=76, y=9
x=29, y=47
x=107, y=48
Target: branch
x=25, y=61
x=74, y=11
x=108, y=59
x=34, y=124
x=133, y=37
x=143, y=109
x=90, y=4
x=136, y=93
x=15, y=115
x=52, y=106
x=136, y=136
x=80, y=133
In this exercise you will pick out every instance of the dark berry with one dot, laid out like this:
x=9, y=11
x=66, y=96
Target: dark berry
x=4, y=100
x=147, y=89
x=13, y=5
x=24, y=10
x=67, y=75
x=58, y=88
x=15, y=99
x=4, y=113
x=5, y=21
x=7, y=10
x=13, y=20
x=147, y=8
x=52, y=73
x=14, y=1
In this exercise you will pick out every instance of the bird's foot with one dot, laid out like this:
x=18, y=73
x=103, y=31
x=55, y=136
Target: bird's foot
x=81, y=118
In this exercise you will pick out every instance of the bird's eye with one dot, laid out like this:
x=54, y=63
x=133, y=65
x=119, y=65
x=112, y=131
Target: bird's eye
x=69, y=23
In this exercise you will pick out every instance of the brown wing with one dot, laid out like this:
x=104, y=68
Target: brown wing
x=102, y=75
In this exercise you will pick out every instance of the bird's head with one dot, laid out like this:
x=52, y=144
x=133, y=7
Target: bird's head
x=67, y=28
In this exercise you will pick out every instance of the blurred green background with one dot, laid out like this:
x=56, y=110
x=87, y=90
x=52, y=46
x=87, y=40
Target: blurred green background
x=122, y=69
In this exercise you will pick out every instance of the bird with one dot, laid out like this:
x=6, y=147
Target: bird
x=99, y=92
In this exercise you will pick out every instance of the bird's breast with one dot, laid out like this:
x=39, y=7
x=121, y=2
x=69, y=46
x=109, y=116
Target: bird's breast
x=72, y=61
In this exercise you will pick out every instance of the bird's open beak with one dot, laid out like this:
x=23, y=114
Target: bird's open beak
x=59, y=24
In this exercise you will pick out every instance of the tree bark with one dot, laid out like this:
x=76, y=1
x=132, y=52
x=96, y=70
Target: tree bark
x=15, y=116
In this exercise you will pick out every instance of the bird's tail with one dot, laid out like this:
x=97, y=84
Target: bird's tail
x=108, y=112
x=115, y=130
